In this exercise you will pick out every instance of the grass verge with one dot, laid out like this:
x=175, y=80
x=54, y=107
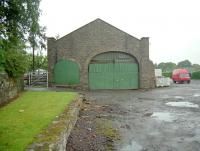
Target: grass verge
x=23, y=119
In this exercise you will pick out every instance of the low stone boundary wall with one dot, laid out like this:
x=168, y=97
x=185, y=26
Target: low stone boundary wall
x=9, y=88
x=55, y=137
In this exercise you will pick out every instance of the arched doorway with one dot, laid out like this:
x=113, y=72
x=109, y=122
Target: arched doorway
x=66, y=72
x=113, y=70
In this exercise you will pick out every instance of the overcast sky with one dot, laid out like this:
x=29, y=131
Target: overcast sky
x=172, y=25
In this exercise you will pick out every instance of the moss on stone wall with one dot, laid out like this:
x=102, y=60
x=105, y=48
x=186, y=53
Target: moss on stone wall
x=9, y=88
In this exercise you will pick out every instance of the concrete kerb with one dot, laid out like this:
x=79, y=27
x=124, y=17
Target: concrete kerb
x=55, y=137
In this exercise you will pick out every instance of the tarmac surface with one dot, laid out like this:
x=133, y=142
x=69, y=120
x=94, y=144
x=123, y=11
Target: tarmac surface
x=162, y=119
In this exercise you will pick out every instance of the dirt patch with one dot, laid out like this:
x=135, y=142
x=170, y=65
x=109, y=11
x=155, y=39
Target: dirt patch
x=94, y=130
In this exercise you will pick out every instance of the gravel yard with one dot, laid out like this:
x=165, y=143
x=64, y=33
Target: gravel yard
x=162, y=119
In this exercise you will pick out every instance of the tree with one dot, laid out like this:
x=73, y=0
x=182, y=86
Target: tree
x=2, y=58
x=36, y=35
x=155, y=65
x=185, y=64
x=40, y=62
x=19, y=19
x=167, y=67
x=193, y=68
x=18, y=26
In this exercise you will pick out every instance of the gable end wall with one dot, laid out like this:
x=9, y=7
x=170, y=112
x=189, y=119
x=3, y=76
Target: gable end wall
x=95, y=38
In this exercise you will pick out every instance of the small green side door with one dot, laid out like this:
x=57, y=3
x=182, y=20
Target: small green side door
x=66, y=72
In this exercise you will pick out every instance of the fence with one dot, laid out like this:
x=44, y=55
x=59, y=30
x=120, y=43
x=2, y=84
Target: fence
x=36, y=79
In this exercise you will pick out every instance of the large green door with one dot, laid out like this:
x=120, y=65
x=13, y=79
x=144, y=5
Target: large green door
x=66, y=72
x=113, y=70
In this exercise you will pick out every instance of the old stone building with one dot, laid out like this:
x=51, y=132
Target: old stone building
x=100, y=56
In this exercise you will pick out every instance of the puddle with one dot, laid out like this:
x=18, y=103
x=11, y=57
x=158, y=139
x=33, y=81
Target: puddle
x=163, y=116
x=165, y=96
x=182, y=104
x=133, y=146
x=196, y=95
x=179, y=97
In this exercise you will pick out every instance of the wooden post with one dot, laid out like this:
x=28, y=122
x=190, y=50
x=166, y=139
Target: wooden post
x=29, y=79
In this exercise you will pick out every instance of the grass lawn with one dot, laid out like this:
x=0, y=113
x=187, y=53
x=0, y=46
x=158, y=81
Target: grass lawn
x=26, y=117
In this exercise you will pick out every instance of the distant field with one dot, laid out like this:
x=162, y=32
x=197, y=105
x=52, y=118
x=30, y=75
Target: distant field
x=24, y=118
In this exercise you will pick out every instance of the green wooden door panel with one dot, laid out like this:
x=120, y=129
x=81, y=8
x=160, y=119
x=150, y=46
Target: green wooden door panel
x=101, y=76
x=66, y=72
x=125, y=76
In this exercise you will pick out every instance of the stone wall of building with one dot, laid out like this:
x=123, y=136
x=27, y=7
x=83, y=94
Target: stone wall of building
x=95, y=38
x=52, y=58
x=9, y=88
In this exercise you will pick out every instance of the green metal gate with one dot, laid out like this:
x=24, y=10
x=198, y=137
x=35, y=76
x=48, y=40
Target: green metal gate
x=66, y=72
x=113, y=70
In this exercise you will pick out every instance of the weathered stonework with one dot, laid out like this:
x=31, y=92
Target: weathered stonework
x=97, y=37
x=9, y=88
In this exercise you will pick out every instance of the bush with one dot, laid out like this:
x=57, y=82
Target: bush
x=13, y=59
x=2, y=57
x=167, y=74
x=16, y=64
x=196, y=75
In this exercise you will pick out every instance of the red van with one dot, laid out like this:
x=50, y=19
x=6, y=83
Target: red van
x=181, y=75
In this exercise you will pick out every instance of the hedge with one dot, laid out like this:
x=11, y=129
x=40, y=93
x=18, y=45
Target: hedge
x=167, y=74
x=196, y=75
